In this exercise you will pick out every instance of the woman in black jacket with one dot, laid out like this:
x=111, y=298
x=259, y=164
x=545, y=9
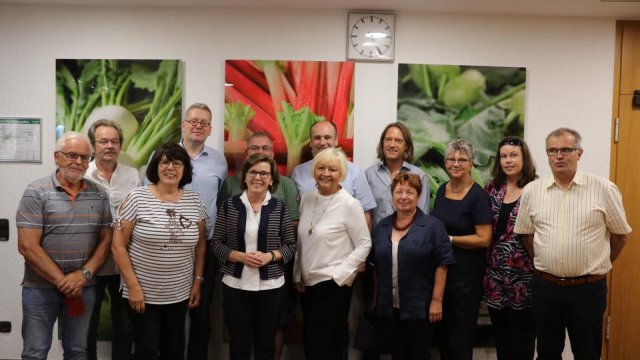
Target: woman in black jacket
x=253, y=237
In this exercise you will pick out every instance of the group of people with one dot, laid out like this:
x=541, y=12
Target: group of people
x=536, y=249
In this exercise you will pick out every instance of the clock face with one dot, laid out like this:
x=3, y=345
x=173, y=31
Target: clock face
x=371, y=37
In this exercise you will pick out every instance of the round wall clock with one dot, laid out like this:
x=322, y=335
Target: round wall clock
x=371, y=36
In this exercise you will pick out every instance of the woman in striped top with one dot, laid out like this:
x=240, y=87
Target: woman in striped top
x=159, y=246
x=253, y=238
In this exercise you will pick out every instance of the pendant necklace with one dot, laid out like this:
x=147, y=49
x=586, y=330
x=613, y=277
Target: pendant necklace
x=314, y=213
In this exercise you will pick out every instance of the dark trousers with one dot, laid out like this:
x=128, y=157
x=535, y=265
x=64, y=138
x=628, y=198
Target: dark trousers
x=159, y=330
x=325, y=308
x=411, y=339
x=252, y=315
x=460, y=309
x=578, y=309
x=200, y=326
x=120, y=323
x=515, y=333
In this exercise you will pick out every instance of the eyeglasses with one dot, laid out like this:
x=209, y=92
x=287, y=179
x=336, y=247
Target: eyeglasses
x=194, y=123
x=452, y=161
x=258, y=148
x=73, y=156
x=332, y=170
x=104, y=142
x=564, y=151
x=176, y=163
x=510, y=140
x=262, y=174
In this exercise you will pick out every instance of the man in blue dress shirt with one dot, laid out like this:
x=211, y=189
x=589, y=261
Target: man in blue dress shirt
x=209, y=171
x=324, y=135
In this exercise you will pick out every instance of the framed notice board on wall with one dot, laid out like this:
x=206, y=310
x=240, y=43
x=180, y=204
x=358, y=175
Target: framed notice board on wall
x=20, y=139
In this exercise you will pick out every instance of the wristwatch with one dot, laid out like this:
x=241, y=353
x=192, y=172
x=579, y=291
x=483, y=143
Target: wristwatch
x=87, y=274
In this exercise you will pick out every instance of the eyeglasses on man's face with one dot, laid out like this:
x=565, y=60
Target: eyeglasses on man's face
x=563, y=151
x=262, y=174
x=73, y=156
x=194, y=123
x=265, y=148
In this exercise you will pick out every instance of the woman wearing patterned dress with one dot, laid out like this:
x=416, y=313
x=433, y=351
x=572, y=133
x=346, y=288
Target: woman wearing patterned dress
x=509, y=269
x=159, y=246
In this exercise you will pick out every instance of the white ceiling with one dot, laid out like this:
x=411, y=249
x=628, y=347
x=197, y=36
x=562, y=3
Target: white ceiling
x=618, y=9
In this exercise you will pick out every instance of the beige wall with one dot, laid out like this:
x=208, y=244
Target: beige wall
x=569, y=79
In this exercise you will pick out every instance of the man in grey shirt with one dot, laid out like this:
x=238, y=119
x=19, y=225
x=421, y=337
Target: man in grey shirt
x=64, y=233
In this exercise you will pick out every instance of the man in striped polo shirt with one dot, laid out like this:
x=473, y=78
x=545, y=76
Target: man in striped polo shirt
x=574, y=227
x=64, y=234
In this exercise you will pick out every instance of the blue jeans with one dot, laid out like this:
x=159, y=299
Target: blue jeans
x=40, y=309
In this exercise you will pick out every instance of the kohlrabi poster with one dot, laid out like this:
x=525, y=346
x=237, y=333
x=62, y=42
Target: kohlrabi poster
x=143, y=96
x=440, y=103
x=283, y=99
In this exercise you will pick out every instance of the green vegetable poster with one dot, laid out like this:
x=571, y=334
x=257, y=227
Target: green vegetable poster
x=440, y=103
x=143, y=96
x=283, y=99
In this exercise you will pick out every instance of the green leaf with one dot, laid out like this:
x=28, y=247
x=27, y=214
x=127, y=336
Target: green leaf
x=484, y=131
x=427, y=127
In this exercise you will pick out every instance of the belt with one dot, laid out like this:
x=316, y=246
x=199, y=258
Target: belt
x=570, y=281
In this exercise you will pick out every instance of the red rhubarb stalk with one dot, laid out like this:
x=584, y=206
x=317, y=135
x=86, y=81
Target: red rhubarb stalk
x=251, y=71
x=341, y=106
x=272, y=72
x=246, y=86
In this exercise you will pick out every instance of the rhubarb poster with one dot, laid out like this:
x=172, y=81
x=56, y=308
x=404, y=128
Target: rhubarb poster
x=440, y=103
x=144, y=97
x=283, y=99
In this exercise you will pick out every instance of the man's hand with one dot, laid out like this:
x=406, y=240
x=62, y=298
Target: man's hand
x=72, y=283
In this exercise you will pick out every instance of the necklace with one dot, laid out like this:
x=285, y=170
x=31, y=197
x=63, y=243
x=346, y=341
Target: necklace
x=314, y=213
x=408, y=225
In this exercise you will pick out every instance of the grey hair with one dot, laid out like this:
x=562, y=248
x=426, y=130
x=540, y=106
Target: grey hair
x=331, y=154
x=562, y=131
x=462, y=145
x=62, y=140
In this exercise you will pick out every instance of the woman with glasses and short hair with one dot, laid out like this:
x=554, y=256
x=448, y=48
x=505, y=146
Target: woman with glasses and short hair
x=509, y=269
x=253, y=238
x=463, y=206
x=159, y=246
